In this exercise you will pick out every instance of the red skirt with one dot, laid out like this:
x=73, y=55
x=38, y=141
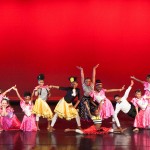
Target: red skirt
x=92, y=130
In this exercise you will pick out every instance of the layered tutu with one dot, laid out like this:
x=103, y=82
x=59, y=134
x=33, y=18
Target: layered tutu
x=142, y=119
x=41, y=108
x=65, y=110
x=28, y=123
x=107, y=109
x=8, y=123
x=93, y=130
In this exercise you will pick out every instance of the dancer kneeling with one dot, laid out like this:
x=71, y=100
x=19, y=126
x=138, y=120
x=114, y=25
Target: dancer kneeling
x=64, y=108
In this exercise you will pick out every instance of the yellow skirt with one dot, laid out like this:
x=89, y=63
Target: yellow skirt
x=65, y=110
x=41, y=108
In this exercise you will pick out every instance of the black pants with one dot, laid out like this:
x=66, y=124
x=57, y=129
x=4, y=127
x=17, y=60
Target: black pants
x=132, y=111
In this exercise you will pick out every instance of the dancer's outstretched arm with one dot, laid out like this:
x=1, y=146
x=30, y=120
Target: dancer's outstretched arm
x=20, y=98
x=136, y=79
x=115, y=90
x=4, y=93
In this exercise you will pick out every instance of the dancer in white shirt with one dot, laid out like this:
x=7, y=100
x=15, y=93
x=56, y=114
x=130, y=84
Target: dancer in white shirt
x=124, y=106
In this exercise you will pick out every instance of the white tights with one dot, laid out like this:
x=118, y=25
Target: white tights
x=56, y=116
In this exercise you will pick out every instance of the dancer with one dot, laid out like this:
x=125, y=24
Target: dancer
x=28, y=122
x=88, y=86
x=2, y=95
x=41, y=108
x=64, y=108
x=124, y=106
x=142, y=119
x=96, y=128
x=9, y=121
x=106, y=107
x=145, y=83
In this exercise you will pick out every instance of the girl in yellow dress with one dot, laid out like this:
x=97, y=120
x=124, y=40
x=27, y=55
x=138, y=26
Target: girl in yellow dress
x=64, y=108
x=41, y=108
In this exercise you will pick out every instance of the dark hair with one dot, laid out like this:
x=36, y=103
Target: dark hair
x=138, y=91
x=116, y=96
x=27, y=93
x=4, y=99
x=41, y=77
x=98, y=81
x=94, y=109
x=148, y=76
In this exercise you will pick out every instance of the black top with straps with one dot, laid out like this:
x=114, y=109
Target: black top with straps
x=71, y=95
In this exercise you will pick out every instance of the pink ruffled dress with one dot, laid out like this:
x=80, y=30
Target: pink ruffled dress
x=28, y=122
x=107, y=107
x=147, y=88
x=142, y=119
x=10, y=122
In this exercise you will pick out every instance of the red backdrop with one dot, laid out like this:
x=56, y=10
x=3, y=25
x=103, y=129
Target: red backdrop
x=52, y=37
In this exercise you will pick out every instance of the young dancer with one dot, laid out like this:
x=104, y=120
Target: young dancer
x=2, y=95
x=106, y=107
x=88, y=86
x=28, y=122
x=96, y=128
x=9, y=121
x=64, y=108
x=124, y=106
x=41, y=108
x=145, y=83
x=142, y=119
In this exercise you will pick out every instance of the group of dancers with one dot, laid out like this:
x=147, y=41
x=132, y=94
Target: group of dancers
x=92, y=106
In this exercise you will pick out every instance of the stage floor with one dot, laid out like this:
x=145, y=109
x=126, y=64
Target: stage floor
x=59, y=140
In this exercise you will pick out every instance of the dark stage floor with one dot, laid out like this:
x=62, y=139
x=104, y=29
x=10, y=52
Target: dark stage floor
x=58, y=140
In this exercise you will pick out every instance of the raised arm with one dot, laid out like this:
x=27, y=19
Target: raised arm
x=128, y=90
x=20, y=98
x=94, y=74
x=134, y=78
x=115, y=90
x=4, y=93
x=82, y=74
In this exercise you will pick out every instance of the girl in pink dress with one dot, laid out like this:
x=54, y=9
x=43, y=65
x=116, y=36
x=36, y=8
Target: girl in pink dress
x=28, y=122
x=2, y=95
x=106, y=107
x=145, y=83
x=142, y=119
x=9, y=121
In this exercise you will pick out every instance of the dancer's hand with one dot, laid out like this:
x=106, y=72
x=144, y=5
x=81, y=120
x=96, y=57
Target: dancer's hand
x=79, y=67
x=95, y=66
x=132, y=77
x=123, y=87
x=14, y=88
x=36, y=88
x=132, y=83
